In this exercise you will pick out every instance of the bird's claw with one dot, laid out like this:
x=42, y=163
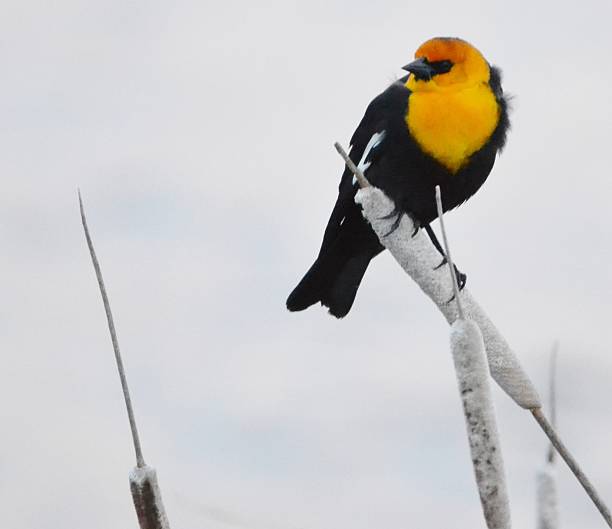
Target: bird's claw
x=389, y=215
x=461, y=277
x=444, y=261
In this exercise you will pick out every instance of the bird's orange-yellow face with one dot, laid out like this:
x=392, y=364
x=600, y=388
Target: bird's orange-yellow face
x=447, y=62
x=452, y=110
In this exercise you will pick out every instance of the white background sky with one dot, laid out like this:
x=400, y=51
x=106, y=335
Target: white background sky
x=201, y=136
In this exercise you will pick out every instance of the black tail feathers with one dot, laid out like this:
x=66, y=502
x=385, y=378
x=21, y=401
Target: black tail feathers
x=348, y=247
x=333, y=280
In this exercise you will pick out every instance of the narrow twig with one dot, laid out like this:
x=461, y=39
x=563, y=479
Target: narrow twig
x=111, y=327
x=572, y=464
x=361, y=179
x=553, y=395
x=449, y=259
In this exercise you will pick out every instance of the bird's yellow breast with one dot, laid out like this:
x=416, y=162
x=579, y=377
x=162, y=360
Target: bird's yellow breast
x=452, y=125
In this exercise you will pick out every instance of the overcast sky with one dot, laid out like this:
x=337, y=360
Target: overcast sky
x=201, y=136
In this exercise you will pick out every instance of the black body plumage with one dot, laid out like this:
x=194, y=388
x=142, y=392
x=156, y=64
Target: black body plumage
x=408, y=175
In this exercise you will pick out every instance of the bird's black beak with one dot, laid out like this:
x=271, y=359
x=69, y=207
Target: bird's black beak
x=421, y=69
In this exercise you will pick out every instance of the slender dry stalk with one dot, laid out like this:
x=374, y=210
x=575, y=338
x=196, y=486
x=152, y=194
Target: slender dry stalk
x=111, y=327
x=541, y=419
x=143, y=479
x=419, y=258
x=552, y=396
x=449, y=259
x=361, y=179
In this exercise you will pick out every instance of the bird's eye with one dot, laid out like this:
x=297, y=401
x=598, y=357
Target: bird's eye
x=442, y=66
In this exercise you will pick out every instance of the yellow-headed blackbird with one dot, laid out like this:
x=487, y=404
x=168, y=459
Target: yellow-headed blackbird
x=442, y=124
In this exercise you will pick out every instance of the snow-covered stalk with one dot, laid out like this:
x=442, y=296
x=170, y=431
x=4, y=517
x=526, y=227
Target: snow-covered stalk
x=419, y=259
x=472, y=373
x=417, y=256
x=562, y=450
x=143, y=480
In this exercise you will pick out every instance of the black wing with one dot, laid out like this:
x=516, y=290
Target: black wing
x=379, y=114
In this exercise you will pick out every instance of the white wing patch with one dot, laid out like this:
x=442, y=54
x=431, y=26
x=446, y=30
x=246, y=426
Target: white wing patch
x=374, y=142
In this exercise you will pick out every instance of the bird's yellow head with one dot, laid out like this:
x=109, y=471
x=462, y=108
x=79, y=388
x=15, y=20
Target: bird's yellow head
x=452, y=110
x=445, y=63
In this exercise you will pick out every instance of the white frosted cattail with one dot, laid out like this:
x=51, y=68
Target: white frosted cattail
x=473, y=379
x=471, y=369
x=419, y=259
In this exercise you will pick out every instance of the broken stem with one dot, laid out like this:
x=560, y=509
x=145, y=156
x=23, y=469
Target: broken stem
x=361, y=179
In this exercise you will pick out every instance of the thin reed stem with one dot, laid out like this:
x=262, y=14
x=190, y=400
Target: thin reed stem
x=111, y=327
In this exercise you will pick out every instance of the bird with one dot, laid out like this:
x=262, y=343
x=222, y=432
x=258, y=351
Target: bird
x=444, y=124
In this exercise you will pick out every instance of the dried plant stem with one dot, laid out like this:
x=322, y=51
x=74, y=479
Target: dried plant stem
x=361, y=179
x=572, y=464
x=449, y=259
x=553, y=396
x=111, y=327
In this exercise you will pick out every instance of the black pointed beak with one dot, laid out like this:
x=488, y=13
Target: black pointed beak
x=421, y=69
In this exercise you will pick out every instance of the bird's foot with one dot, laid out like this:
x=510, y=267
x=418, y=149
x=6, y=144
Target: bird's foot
x=397, y=216
x=461, y=277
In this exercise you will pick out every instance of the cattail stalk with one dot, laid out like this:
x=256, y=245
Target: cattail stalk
x=419, y=259
x=472, y=372
x=143, y=479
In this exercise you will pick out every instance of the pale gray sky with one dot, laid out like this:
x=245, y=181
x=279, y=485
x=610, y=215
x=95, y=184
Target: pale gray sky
x=201, y=136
